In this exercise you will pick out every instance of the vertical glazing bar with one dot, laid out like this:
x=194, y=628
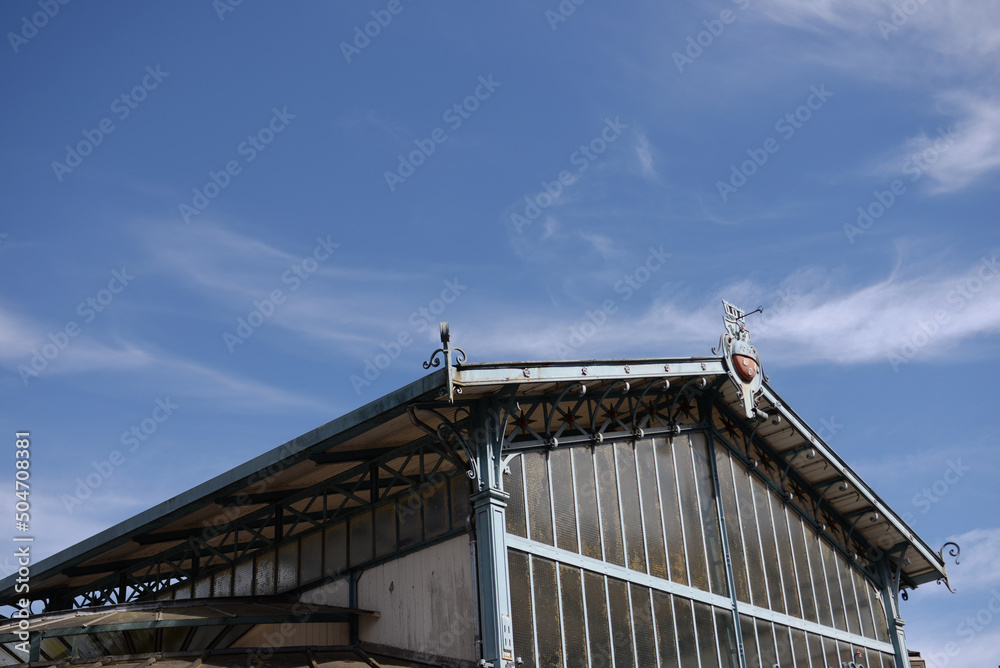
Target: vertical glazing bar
x=642, y=511
x=754, y=490
x=727, y=558
x=604, y=556
x=663, y=510
x=579, y=549
x=777, y=550
x=680, y=516
x=621, y=506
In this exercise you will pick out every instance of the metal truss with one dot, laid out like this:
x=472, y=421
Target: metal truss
x=284, y=517
x=808, y=500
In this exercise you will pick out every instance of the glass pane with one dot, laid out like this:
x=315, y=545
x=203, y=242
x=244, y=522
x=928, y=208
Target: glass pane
x=749, y=635
x=765, y=641
x=203, y=588
x=244, y=579
x=823, y=608
x=574, y=620
x=385, y=529
x=686, y=639
x=816, y=657
x=830, y=650
x=642, y=620
x=631, y=515
x=597, y=620
x=586, y=502
x=520, y=606
x=709, y=515
x=833, y=584
x=671, y=510
x=806, y=597
x=336, y=548
x=312, y=555
x=784, y=642
x=621, y=623
x=787, y=565
x=410, y=520
x=361, y=538
x=751, y=539
x=768, y=550
x=881, y=620
x=460, y=507
x=547, y=623
x=288, y=567
x=514, y=485
x=800, y=648
x=264, y=583
x=863, y=591
x=536, y=486
x=651, y=509
x=663, y=610
x=222, y=583
x=604, y=457
x=851, y=607
x=706, y=636
x=561, y=466
x=734, y=533
x=688, y=494
x=436, y=510
x=729, y=651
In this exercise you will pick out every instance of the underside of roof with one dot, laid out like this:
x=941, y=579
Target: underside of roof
x=365, y=455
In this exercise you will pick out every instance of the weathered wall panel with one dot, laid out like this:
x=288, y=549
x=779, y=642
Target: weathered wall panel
x=425, y=599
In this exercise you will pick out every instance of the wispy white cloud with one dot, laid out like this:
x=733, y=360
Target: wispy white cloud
x=644, y=153
x=807, y=320
x=92, y=352
x=946, y=47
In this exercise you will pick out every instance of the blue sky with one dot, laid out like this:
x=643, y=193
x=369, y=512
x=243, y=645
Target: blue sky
x=216, y=215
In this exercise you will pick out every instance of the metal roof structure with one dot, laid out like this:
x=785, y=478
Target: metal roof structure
x=153, y=581
x=359, y=455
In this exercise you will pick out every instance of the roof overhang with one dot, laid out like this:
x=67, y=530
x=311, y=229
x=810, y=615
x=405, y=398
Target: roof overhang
x=374, y=432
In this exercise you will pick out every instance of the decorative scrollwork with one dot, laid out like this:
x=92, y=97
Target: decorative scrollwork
x=955, y=551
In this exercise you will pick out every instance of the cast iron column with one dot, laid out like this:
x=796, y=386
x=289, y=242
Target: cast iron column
x=890, y=596
x=489, y=505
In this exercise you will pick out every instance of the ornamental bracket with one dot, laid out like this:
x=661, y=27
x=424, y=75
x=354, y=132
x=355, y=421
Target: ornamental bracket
x=446, y=350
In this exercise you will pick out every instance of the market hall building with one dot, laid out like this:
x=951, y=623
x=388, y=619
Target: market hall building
x=629, y=513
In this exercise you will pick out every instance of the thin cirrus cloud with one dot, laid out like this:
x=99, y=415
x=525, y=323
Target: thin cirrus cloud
x=805, y=322
x=955, y=41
